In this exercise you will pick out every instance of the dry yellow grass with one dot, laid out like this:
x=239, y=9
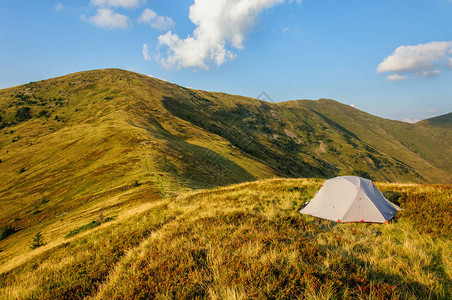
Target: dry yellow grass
x=239, y=242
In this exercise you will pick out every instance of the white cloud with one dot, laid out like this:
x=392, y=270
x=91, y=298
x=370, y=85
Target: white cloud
x=396, y=77
x=108, y=19
x=419, y=60
x=412, y=121
x=118, y=3
x=422, y=57
x=152, y=76
x=146, y=55
x=147, y=16
x=220, y=23
x=155, y=21
x=427, y=73
x=58, y=6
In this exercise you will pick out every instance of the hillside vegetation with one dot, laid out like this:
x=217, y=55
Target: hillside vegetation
x=440, y=121
x=248, y=241
x=87, y=156
x=424, y=146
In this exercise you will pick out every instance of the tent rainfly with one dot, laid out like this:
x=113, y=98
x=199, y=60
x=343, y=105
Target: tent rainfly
x=351, y=199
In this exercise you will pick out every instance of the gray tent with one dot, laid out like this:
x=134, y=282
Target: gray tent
x=350, y=199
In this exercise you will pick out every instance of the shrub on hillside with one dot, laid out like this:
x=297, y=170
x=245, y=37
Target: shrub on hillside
x=136, y=184
x=23, y=114
x=362, y=173
x=44, y=113
x=37, y=241
x=6, y=231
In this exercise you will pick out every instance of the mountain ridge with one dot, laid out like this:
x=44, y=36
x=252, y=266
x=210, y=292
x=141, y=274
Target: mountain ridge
x=263, y=117
x=444, y=120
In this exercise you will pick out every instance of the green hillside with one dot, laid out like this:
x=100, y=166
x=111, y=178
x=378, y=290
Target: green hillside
x=97, y=146
x=444, y=121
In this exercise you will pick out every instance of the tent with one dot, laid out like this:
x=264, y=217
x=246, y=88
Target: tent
x=350, y=199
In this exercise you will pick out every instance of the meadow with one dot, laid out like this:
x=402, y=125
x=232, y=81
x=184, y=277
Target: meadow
x=248, y=241
x=116, y=185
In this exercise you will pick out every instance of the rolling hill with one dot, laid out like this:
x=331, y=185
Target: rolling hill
x=205, y=138
x=107, y=144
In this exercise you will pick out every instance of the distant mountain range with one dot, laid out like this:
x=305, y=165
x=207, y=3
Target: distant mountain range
x=67, y=142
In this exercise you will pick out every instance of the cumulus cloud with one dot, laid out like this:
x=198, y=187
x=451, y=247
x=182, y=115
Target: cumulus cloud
x=219, y=24
x=108, y=19
x=118, y=3
x=154, y=20
x=146, y=54
x=418, y=60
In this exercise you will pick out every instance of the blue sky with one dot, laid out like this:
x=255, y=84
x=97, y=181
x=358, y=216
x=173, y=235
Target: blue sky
x=391, y=58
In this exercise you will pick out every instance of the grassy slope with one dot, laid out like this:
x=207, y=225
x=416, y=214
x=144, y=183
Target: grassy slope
x=421, y=147
x=248, y=241
x=111, y=132
x=439, y=121
x=294, y=140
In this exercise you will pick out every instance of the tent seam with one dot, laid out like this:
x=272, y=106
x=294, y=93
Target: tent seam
x=357, y=191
